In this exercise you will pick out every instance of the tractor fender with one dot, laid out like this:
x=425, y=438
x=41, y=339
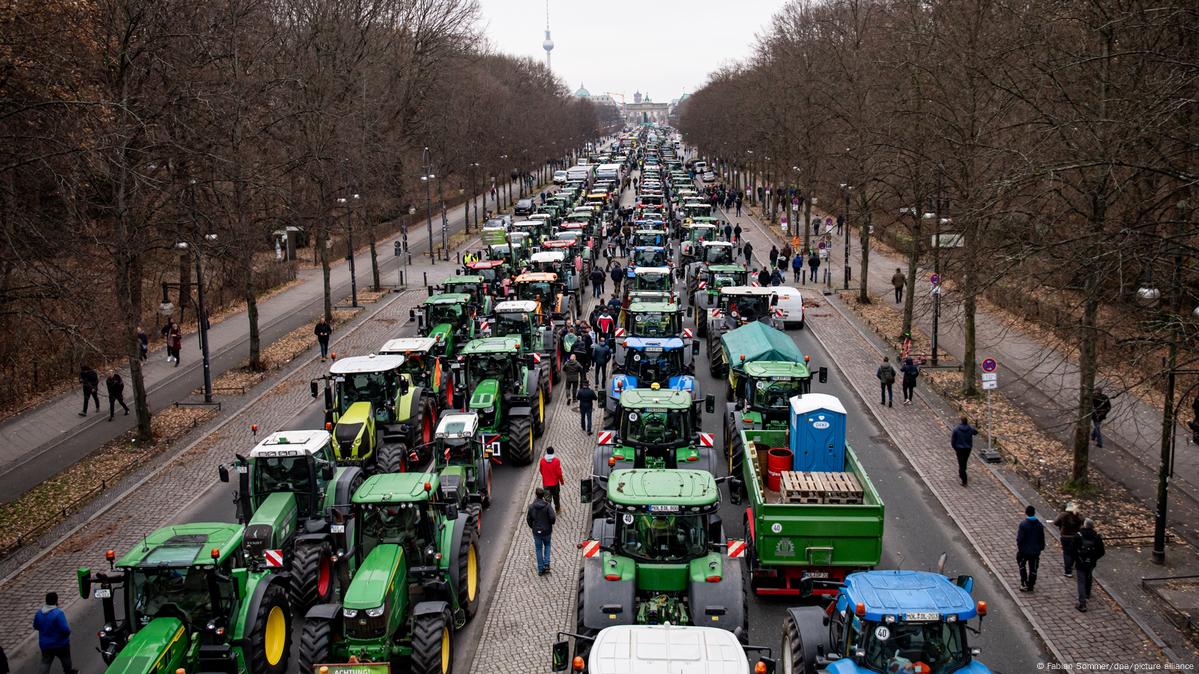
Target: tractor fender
x=330, y=611
x=249, y=610
x=314, y=537
x=520, y=411
x=343, y=485
x=599, y=593
x=599, y=464
x=812, y=632
x=706, y=461
x=430, y=608
x=450, y=557
x=720, y=604
x=410, y=404
x=532, y=379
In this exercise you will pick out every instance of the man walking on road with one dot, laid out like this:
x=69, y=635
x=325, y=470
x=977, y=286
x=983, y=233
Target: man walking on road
x=910, y=372
x=1089, y=546
x=600, y=355
x=898, y=280
x=813, y=266
x=116, y=393
x=737, y=229
x=963, y=443
x=540, y=517
x=587, y=399
x=748, y=250
x=53, y=635
x=551, y=476
x=573, y=371
x=1101, y=406
x=617, y=274
x=728, y=232
x=322, y=332
x=886, y=380
x=1030, y=541
x=91, y=385
x=598, y=277
x=1068, y=524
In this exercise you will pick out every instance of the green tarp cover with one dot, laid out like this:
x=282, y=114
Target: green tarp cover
x=758, y=341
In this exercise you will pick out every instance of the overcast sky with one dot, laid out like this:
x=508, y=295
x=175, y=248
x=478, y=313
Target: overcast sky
x=661, y=47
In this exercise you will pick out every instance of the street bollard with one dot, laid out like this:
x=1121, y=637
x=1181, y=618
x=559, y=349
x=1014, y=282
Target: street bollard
x=425, y=275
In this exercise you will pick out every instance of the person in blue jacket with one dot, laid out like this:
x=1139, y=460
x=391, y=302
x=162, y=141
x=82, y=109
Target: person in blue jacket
x=53, y=635
x=1030, y=541
x=963, y=443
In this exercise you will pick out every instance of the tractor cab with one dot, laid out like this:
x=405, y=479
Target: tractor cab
x=694, y=234
x=474, y=285
x=296, y=463
x=716, y=252
x=765, y=389
x=650, y=362
x=651, y=319
x=519, y=317
x=534, y=230
x=511, y=253
x=406, y=509
x=658, y=279
x=460, y=455
x=423, y=361
x=648, y=256
x=446, y=317
x=492, y=271
x=739, y=305
x=547, y=291
x=365, y=393
x=507, y=391
x=653, y=428
x=649, y=237
x=555, y=262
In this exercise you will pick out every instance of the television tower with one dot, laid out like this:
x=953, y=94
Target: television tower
x=548, y=45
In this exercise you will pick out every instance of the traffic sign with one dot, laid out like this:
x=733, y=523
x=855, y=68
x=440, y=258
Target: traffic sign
x=989, y=385
x=989, y=365
x=935, y=279
x=990, y=376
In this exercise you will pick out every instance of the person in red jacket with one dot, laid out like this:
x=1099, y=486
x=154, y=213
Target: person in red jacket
x=551, y=475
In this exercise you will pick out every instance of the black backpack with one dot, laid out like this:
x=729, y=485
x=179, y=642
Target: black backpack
x=1086, y=550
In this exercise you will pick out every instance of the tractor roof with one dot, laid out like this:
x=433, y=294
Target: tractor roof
x=371, y=363
x=653, y=248
x=557, y=243
x=537, y=276
x=183, y=545
x=515, y=306
x=548, y=256
x=448, y=298
x=291, y=443
x=647, y=398
x=405, y=345
x=745, y=290
x=716, y=244
x=457, y=425
x=653, y=342
x=486, y=264
x=642, y=271
x=653, y=487
x=643, y=305
x=666, y=648
x=507, y=344
x=697, y=224
x=727, y=269
x=396, y=488
x=770, y=369
x=903, y=593
x=462, y=279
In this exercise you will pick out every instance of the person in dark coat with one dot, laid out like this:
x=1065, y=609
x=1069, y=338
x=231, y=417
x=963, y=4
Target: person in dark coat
x=90, y=381
x=963, y=444
x=898, y=281
x=1068, y=524
x=776, y=278
x=541, y=517
x=797, y=268
x=1088, y=549
x=886, y=379
x=764, y=277
x=813, y=266
x=748, y=251
x=573, y=372
x=322, y=332
x=910, y=372
x=740, y=197
x=1030, y=541
x=737, y=227
x=53, y=635
x=601, y=353
x=1101, y=406
x=587, y=398
x=774, y=256
x=728, y=229
x=617, y=274
x=116, y=393
x=597, y=282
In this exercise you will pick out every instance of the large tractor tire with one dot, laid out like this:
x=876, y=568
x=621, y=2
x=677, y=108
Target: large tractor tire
x=315, y=643
x=520, y=440
x=546, y=377
x=312, y=577
x=432, y=644
x=803, y=633
x=393, y=458
x=582, y=646
x=268, y=639
x=425, y=421
x=539, y=410
x=467, y=559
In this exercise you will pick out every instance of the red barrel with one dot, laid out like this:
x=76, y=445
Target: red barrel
x=778, y=459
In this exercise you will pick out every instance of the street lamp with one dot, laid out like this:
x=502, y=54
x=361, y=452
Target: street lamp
x=497, y=193
x=427, y=179
x=202, y=313
x=846, y=188
x=350, y=245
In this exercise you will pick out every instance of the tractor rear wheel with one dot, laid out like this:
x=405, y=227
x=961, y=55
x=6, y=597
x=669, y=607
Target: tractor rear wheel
x=312, y=579
x=393, y=457
x=520, y=440
x=582, y=646
x=799, y=657
x=432, y=644
x=467, y=558
x=425, y=421
x=268, y=642
x=539, y=410
x=315, y=642
x=545, y=376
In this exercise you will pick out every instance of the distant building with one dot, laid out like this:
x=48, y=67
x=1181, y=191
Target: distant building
x=602, y=99
x=644, y=110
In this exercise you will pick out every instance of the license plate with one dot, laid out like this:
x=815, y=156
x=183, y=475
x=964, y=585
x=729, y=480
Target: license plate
x=103, y=593
x=243, y=469
x=922, y=616
x=818, y=575
x=337, y=528
x=663, y=508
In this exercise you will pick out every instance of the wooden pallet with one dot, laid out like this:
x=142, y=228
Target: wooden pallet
x=842, y=488
x=798, y=487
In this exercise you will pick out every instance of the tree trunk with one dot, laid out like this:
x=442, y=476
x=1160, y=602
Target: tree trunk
x=969, y=301
x=185, y=284
x=864, y=241
x=1087, y=342
x=251, y=309
x=909, y=300
x=807, y=219
x=323, y=251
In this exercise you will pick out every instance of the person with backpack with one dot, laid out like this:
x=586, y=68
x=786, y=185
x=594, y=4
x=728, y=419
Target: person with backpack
x=574, y=372
x=813, y=266
x=601, y=353
x=1030, y=541
x=541, y=517
x=617, y=274
x=1068, y=524
x=797, y=268
x=53, y=635
x=886, y=380
x=962, y=442
x=748, y=251
x=910, y=372
x=1101, y=406
x=1089, y=550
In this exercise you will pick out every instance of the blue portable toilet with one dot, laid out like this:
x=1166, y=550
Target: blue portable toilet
x=817, y=433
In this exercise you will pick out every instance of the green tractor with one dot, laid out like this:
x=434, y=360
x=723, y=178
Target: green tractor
x=459, y=454
x=288, y=493
x=519, y=317
x=709, y=279
x=475, y=285
x=192, y=600
x=508, y=393
x=381, y=407
x=447, y=317
x=657, y=557
x=417, y=584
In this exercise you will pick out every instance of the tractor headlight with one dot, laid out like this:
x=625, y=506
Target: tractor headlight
x=374, y=612
x=889, y=619
x=952, y=618
x=349, y=612
x=489, y=410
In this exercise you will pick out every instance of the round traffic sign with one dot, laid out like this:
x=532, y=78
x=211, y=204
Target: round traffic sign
x=935, y=279
x=989, y=365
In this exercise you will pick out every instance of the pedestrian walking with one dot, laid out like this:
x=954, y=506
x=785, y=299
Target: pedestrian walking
x=617, y=275
x=598, y=278
x=143, y=344
x=776, y=278
x=322, y=332
x=739, y=198
x=737, y=229
x=898, y=281
x=605, y=324
x=1090, y=549
x=774, y=256
x=910, y=372
x=550, y=468
x=797, y=268
x=786, y=252
x=116, y=393
x=601, y=353
x=90, y=381
x=748, y=250
x=728, y=231
x=53, y=635
x=1101, y=406
x=813, y=265
x=176, y=339
x=587, y=399
x=582, y=350
x=1030, y=541
x=1068, y=524
x=573, y=371
x=963, y=442
x=840, y=223
x=763, y=277
x=781, y=263
x=540, y=517
x=886, y=380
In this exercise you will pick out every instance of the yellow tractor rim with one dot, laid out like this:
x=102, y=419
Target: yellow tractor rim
x=472, y=573
x=275, y=635
x=445, y=650
x=541, y=405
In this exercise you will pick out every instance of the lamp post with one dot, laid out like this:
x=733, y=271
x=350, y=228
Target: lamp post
x=202, y=313
x=503, y=160
x=427, y=178
x=474, y=169
x=846, y=188
x=350, y=246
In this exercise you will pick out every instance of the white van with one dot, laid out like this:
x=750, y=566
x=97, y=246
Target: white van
x=608, y=172
x=580, y=172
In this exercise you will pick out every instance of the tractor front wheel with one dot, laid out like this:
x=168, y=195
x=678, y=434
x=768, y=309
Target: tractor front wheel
x=539, y=411
x=392, y=458
x=315, y=643
x=520, y=440
x=467, y=557
x=311, y=575
x=432, y=644
x=582, y=646
x=268, y=641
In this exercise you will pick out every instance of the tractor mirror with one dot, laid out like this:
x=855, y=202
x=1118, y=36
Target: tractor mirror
x=735, y=487
x=822, y=375
x=412, y=314
x=328, y=470
x=710, y=403
x=695, y=348
x=560, y=656
x=585, y=490
x=83, y=578
x=965, y=582
x=715, y=528
x=223, y=471
x=774, y=300
x=805, y=587
x=690, y=311
x=451, y=512
x=404, y=387
x=313, y=388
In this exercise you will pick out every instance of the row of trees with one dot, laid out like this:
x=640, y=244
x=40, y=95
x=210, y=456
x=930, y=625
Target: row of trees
x=1058, y=138
x=128, y=127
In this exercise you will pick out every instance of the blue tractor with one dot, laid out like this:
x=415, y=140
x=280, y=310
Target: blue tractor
x=901, y=622
x=645, y=361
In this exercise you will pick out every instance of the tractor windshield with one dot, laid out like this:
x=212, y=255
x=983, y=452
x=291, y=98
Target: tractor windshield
x=656, y=427
x=724, y=280
x=746, y=307
x=489, y=366
x=898, y=646
x=649, y=257
x=539, y=291
x=396, y=523
x=489, y=274
x=651, y=368
x=663, y=538
x=774, y=394
x=655, y=324
x=178, y=592
x=281, y=473
x=513, y=324
x=718, y=254
x=436, y=314
x=373, y=387
x=652, y=282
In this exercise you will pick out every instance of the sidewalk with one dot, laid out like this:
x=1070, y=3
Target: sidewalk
x=988, y=511
x=55, y=433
